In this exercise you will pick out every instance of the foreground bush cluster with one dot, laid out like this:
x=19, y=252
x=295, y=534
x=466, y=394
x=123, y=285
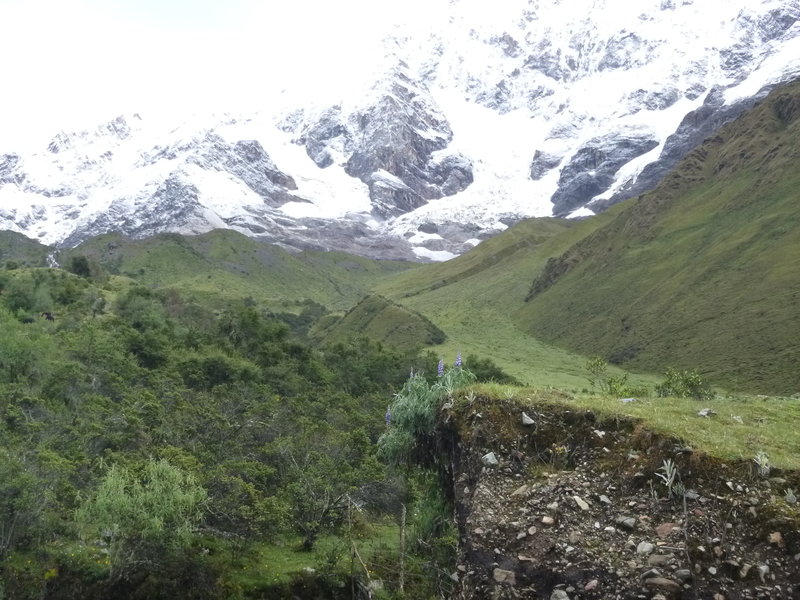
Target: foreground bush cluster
x=149, y=442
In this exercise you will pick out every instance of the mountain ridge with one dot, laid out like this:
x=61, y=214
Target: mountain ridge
x=467, y=126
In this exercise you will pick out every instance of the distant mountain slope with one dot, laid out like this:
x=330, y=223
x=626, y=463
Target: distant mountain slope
x=702, y=272
x=227, y=264
x=15, y=248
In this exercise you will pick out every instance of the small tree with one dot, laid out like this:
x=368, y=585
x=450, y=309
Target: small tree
x=598, y=370
x=144, y=515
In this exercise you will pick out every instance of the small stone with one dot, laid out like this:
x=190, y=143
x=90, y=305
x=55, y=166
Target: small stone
x=627, y=400
x=683, y=574
x=664, y=584
x=628, y=523
x=665, y=529
x=575, y=537
x=532, y=530
x=719, y=596
x=504, y=576
x=609, y=530
x=604, y=499
x=651, y=573
x=718, y=551
x=552, y=506
x=521, y=535
x=548, y=521
x=645, y=548
x=712, y=570
x=479, y=531
x=776, y=539
x=559, y=595
x=523, y=558
x=520, y=491
x=659, y=560
x=526, y=420
x=706, y=412
x=490, y=459
x=592, y=585
x=581, y=502
x=763, y=571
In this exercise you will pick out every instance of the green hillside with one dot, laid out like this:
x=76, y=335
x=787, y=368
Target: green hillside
x=18, y=250
x=225, y=265
x=702, y=272
x=382, y=321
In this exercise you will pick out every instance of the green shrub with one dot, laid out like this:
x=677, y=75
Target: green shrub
x=144, y=515
x=684, y=384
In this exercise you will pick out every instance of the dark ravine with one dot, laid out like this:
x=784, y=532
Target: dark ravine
x=574, y=509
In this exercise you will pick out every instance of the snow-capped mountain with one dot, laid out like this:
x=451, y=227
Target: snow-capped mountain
x=466, y=124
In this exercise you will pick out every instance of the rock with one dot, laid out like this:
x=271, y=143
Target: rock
x=651, y=573
x=552, y=506
x=490, y=459
x=605, y=499
x=776, y=539
x=542, y=164
x=683, y=574
x=590, y=171
x=628, y=523
x=763, y=571
x=504, y=576
x=627, y=400
x=523, y=558
x=592, y=585
x=549, y=521
x=575, y=537
x=581, y=502
x=532, y=530
x=521, y=535
x=520, y=491
x=663, y=584
x=645, y=548
x=712, y=571
x=665, y=529
x=659, y=560
x=745, y=570
x=526, y=420
x=706, y=412
x=559, y=595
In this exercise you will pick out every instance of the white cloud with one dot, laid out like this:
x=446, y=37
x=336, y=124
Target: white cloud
x=71, y=63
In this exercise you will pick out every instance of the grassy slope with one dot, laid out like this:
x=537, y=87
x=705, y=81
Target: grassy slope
x=702, y=272
x=226, y=265
x=473, y=296
x=383, y=321
x=22, y=250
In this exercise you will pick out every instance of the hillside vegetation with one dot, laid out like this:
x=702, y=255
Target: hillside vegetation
x=701, y=272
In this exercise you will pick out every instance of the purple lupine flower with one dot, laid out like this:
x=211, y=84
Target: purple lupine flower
x=388, y=416
x=458, y=359
x=440, y=368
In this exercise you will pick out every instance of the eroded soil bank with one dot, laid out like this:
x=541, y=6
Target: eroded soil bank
x=562, y=504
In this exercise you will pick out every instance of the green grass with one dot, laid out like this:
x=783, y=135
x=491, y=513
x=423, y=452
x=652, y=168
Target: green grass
x=275, y=564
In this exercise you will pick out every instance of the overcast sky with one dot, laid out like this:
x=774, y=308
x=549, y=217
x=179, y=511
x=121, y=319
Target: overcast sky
x=73, y=61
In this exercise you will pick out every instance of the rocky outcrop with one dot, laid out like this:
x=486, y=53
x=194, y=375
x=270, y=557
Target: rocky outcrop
x=591, y=169
x=396, y=144
x=574, y=508
x=693, y=129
